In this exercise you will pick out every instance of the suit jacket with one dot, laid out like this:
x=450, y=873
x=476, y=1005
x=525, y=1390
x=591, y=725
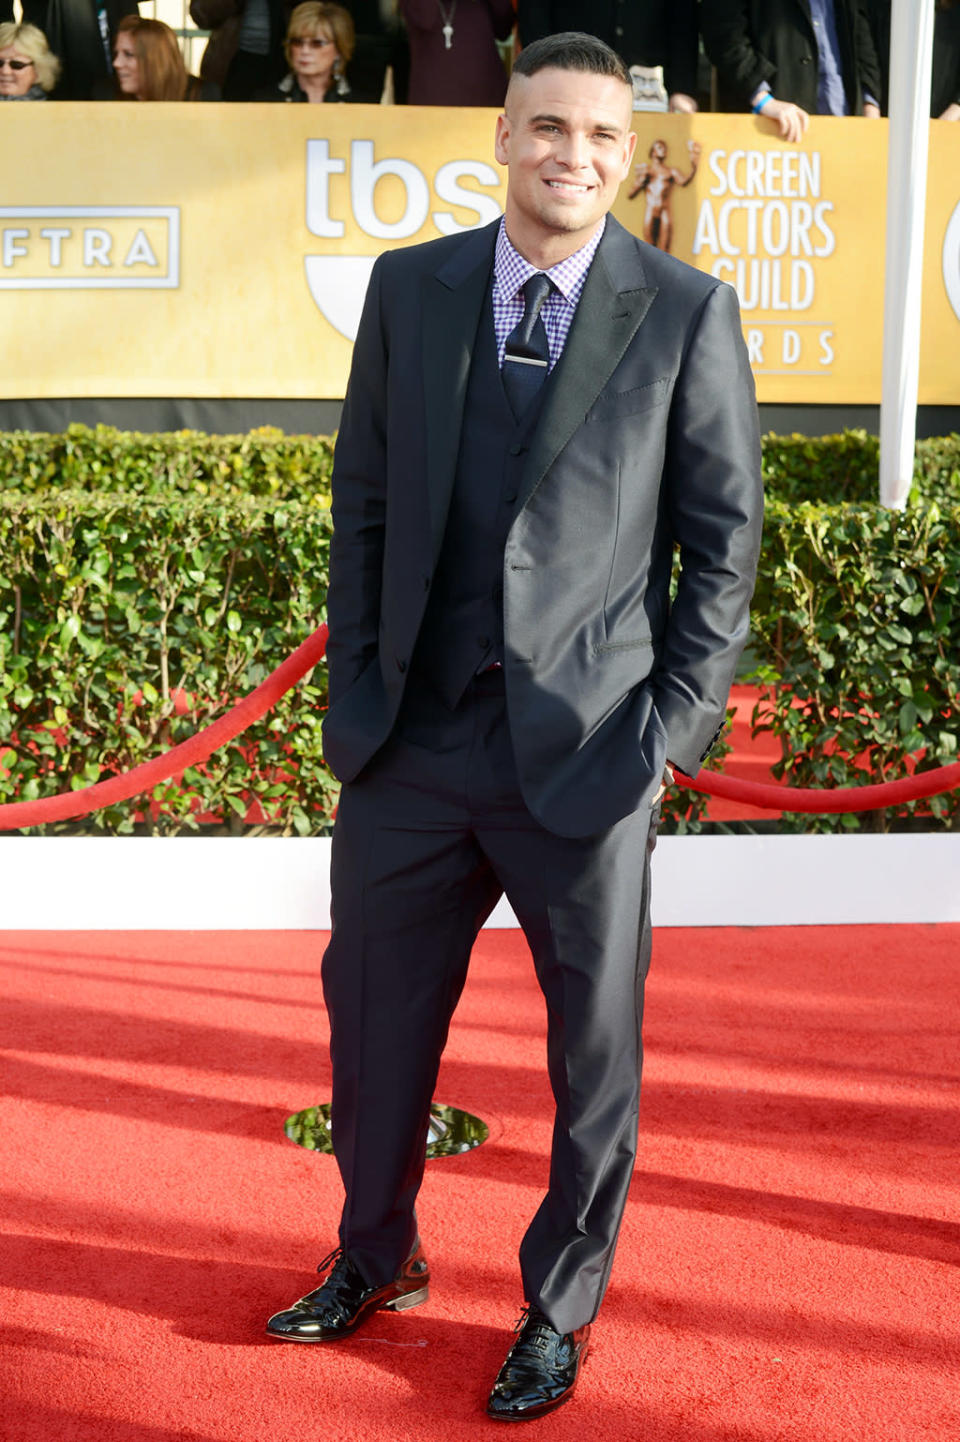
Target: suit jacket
x=750, y=41
x=647, y=437
x=643, y=32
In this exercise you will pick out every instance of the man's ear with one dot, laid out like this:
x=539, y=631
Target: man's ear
x=502, y=139
x=630, y=147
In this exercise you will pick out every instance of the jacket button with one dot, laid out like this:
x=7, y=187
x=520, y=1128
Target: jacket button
x=516, y=450
x=483, y=642
x=401, y=664
x=510, y=497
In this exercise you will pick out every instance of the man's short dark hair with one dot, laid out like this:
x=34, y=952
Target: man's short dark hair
x=571, y=50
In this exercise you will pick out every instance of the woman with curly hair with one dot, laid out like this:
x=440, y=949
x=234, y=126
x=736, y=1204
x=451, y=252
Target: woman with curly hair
x=28, y=67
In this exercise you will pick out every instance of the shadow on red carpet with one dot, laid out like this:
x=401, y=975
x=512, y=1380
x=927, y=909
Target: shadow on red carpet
x=788, y=1263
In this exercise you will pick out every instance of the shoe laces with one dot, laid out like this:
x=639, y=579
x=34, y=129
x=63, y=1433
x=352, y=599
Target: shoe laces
x=333, y=1260
x=538, y=1335
x=325, y=1301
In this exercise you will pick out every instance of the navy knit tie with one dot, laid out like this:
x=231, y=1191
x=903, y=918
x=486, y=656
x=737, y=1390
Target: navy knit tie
x=526, y=358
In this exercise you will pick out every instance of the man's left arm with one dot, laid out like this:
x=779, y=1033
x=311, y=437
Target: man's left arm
x=713, y=494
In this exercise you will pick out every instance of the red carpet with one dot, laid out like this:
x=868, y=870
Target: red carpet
x=788, y=1265
x=749, y=759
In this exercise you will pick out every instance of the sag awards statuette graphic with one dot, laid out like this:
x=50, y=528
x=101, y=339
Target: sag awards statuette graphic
x=655, y=178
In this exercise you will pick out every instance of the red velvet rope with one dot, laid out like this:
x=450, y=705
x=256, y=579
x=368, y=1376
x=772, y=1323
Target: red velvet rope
x=71, y=804
x=191, y=752
x=827, y=803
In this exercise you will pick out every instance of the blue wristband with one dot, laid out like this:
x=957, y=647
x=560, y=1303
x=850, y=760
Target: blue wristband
x=761, y=103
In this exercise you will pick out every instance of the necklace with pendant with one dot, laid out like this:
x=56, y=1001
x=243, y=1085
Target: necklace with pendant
x=447, y=18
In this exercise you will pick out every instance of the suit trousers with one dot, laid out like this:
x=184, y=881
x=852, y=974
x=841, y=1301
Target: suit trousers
x=427, y=839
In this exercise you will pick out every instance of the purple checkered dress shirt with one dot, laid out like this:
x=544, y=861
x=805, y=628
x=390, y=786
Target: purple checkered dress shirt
x=511, y=272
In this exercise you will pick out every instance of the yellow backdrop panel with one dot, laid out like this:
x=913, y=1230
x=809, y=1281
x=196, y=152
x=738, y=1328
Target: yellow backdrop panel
x=206, y=250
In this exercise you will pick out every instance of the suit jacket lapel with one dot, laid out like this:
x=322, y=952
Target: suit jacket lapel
x=612, y=307
x=453, y=301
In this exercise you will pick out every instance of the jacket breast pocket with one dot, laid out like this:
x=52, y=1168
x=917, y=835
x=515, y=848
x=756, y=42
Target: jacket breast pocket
x=613, y=404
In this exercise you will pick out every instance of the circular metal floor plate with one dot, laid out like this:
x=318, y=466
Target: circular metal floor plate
x=451, y=1130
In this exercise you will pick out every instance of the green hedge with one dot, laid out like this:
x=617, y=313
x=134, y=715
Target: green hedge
x=147, y=581
x=268, y=463
x=856, y=635
x=128, y=622
x=845, y=468
x=263, y=463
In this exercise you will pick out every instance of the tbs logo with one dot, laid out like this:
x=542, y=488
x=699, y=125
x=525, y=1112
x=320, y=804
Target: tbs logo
x=338, y=283
x=951, y=260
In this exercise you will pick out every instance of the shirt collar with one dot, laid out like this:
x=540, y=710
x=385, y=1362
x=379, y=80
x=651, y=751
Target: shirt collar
x=511, y=270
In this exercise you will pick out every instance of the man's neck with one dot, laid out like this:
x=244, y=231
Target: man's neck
x=545, y=251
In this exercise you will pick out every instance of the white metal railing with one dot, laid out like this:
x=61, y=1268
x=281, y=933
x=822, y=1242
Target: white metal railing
x=176, y=14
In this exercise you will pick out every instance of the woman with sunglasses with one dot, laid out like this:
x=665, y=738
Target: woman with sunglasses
x=319, y=44
x=28, y=67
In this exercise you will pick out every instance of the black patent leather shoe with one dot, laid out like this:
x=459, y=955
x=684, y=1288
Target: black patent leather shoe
x=345, y=1301
x=540, y=1372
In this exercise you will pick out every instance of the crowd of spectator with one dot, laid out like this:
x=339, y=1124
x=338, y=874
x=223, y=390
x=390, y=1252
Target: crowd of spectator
x=782, y=59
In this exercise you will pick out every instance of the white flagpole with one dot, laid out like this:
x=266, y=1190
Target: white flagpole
x=911, y=59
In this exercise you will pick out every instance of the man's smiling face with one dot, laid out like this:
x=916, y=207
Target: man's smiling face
x=565, y=138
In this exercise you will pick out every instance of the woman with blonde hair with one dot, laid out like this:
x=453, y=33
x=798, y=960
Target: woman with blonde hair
x=319, y=45
x=148, y=65
x=28, y=67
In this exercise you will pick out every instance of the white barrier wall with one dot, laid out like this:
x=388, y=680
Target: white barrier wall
x=219, y=883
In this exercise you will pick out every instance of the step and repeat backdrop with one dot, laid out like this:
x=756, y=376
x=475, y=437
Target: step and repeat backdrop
x=223, y=251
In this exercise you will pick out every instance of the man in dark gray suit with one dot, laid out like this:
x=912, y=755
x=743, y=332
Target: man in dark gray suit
x=538, y=411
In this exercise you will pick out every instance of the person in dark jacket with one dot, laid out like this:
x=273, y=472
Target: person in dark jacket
x=538, y=412
x=945, y=85
x=790, y=59
x=245, y=51
x=382, y=46
x=81, y=33
x=643, y=32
